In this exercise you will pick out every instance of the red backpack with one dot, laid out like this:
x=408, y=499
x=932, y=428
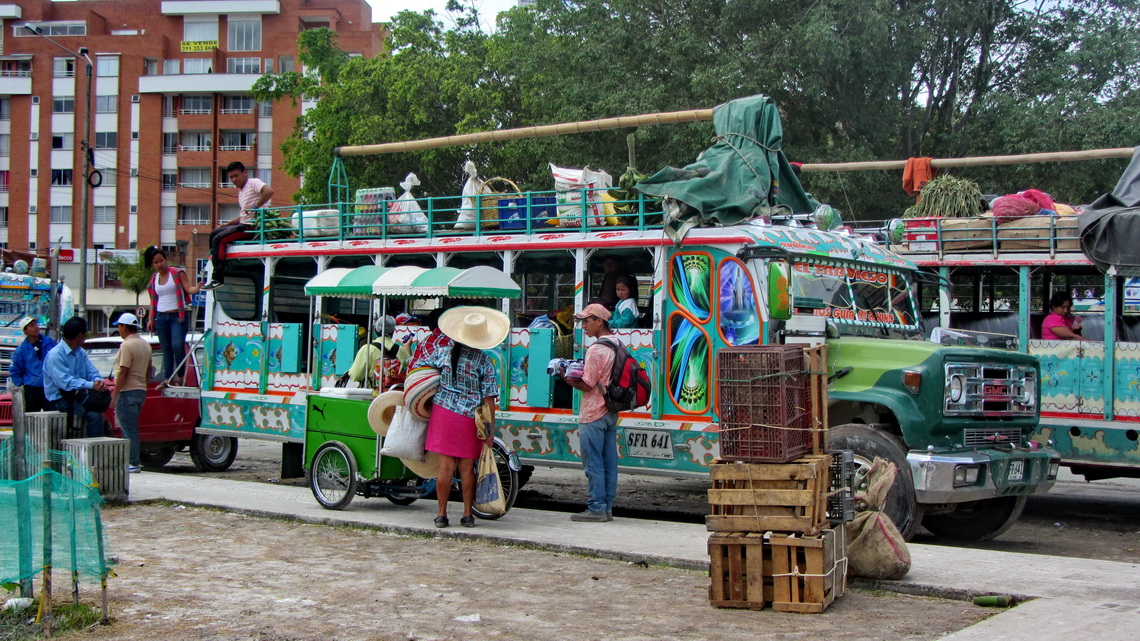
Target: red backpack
x=629, y=386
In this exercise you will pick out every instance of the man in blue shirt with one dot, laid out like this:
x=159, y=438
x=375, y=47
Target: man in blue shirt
x=27, y=369
x=69, y=375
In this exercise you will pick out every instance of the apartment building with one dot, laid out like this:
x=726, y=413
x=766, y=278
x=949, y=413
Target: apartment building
x=169, y=110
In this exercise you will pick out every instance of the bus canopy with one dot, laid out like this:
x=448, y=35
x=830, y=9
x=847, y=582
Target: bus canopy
x=413, y=282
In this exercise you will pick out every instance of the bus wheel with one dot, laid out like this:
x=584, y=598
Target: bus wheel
x=156, y=456
x=867, y=443
x=977, y=520
x=213, y=453
x=507, y=476
x=332, y=477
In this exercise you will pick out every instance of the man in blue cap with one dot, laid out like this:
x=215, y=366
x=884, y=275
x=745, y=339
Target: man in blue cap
x=27, y=368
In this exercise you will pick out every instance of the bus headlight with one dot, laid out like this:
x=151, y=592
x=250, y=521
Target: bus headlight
x=966, y=475
x=957, y=388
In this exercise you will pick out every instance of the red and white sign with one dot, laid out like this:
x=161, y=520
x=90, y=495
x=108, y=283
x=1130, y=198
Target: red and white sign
x=67, y=255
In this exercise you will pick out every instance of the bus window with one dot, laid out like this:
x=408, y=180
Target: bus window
x=240, y=299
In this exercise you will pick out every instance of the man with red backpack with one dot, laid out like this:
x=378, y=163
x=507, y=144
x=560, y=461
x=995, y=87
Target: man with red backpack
x=597, y=424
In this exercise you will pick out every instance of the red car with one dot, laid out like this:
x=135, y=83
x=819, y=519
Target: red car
x=170, y=416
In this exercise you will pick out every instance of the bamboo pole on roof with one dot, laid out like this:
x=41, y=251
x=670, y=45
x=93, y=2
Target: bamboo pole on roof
x=541, y=131
x=976, y=161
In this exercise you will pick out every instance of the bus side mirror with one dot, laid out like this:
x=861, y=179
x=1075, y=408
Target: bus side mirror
x=780, y=300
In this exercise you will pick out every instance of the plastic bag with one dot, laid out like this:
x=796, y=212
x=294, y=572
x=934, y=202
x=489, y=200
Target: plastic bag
x=406, y=436
x=405, y=216
x=875, y=547
x=489, y=497
x=569, y=183
x=467, y=208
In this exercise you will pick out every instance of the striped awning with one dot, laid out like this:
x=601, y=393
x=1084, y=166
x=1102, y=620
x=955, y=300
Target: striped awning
x=413, y=282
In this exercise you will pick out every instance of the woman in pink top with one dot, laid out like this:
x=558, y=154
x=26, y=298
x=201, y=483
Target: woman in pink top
x=1060, y=324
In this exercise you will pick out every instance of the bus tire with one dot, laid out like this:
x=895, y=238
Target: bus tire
x=156, y=456
x=332, y=476
x=867, y=443
x=977, y=520
x=213, y=453
x=507, y=476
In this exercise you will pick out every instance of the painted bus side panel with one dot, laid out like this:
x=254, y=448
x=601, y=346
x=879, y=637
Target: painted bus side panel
x=1070, y=376
x=1102, y=443
x=285, y=347
x=268, y=416
x=1126, y=383
x=338, y=348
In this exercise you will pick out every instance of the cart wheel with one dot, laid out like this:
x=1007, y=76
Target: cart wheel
x=507, y=476
x=332, y=477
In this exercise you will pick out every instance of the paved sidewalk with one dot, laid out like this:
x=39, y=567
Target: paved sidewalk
x=1076, y=599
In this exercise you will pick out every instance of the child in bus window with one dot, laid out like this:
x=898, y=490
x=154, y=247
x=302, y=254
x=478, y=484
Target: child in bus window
x=625, y=313
x=1061, y=324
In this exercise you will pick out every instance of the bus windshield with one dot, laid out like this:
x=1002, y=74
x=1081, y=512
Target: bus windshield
x=856, y=294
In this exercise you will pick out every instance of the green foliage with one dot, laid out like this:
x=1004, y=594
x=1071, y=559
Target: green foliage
x=20, y=625
x=948, y=197
x=133, y=275
x=855, y=80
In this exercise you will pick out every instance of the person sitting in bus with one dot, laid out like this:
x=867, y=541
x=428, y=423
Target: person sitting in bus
x=383, y=361
x=614, y=267
x=625, y=313
x=1061, y=324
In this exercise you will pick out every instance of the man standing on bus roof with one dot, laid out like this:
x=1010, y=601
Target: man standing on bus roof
x=597, y=425
x=27, y=369
x=253, y=194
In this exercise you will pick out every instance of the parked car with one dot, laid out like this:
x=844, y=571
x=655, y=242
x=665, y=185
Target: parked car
x=170, y=416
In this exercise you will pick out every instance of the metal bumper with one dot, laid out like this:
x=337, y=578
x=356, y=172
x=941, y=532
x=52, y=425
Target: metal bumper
x=934, y=474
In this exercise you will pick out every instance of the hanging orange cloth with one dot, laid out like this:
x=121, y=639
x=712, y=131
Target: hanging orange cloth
x=916, y=173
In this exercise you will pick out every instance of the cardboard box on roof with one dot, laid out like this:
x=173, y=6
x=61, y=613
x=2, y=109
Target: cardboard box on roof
x=1035, y=232
x=967, y=233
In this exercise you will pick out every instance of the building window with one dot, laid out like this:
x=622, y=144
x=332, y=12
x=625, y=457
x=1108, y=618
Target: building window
x=169, y=217
x=59, y=28
x=104, y=214
x=286, y=64
x=195, y=177
x=244, y=34
x=110, y=176
x=15, y=68
x=63, y=141
x=226, y=213
x=106, y=140
x=266, y=109
x=265, y=175
x=5, y=108
x=63, y=105
x=106, y=104
x=63, y=67
x=169, y=180
x=194, y=215
x=168, y=106
x=169, y=144
x=243, y=65
x=197, y=104
x=4, y=180
x=198, y=65
x=200, y=28
x=238, y=140
x=171, y=67
x=269, y=65
x=195, y=141
x=150, y=67
x=237, y=105
x=107, y=66
x=3, y=218
x=5, y=144
x=61, y=213
x=61, y=177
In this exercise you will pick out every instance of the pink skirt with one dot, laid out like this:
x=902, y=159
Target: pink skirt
x=452, y=434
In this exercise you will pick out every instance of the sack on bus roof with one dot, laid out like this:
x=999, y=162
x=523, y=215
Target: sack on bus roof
x=405, y=216
x=467, y=209
x=569, y=185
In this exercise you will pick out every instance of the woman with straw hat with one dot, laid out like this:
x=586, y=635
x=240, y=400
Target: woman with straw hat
x=467, y=380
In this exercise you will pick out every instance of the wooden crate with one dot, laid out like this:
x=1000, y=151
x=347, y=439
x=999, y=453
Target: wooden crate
x=815, y=361
x=808, y=572
x=740, y=570
x=770, y=497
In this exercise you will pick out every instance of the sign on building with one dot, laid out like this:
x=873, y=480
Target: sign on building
x=196, y=46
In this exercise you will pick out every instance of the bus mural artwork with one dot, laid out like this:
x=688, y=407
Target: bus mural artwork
x=965, y=468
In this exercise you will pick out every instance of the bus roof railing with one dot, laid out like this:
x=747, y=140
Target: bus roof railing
x=988, y=235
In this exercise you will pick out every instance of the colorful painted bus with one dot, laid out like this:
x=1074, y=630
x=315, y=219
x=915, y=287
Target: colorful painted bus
x=965, y=460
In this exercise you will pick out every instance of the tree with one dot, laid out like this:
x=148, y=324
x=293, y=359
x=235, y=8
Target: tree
x=134, y=275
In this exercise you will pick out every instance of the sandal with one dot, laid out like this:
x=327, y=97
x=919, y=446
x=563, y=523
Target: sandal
x=467, y=521
x=441, y=521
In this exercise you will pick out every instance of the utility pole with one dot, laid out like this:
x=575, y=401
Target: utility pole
x=85, y=195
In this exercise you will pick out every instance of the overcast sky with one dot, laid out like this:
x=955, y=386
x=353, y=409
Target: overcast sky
x=383, y=10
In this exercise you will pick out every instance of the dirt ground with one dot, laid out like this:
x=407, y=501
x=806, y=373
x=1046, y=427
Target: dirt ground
x=190, y=573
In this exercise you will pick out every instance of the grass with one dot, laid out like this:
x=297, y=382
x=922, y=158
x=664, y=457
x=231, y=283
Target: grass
x=21, y=625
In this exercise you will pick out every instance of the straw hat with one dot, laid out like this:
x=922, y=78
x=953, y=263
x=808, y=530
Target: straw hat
x=425, y=469
x=478, y=327
x=381, y=411
x=419, y=389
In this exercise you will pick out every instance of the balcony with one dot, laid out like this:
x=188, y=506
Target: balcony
x=169, y=151
x=204, y=185
x=237, y=111
x=198, y=83
x=235, y=148
x=195, y=112
x=196, y=148
x=16, y=85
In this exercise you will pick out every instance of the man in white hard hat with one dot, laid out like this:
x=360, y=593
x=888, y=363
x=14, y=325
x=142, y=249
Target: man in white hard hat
x=132, y=370
x=27, y=368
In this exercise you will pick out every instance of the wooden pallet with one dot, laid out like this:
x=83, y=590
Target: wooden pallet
x=740, y=570
x=808, y=572
x=815, y=362
x=764, y=497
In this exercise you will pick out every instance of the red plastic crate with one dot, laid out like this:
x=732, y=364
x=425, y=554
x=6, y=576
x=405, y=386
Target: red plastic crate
x=763, y=404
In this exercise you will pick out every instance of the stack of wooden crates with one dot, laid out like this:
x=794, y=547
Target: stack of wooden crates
x=772, y=541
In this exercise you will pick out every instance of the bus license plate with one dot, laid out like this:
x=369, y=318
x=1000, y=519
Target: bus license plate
x=653, y=444
x=995, y=390
x=1017, y=470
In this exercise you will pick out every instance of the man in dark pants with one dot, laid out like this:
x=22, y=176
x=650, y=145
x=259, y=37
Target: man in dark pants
x=132, y=371
x=27, y=369
x=69, y=375
x=253, y=194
